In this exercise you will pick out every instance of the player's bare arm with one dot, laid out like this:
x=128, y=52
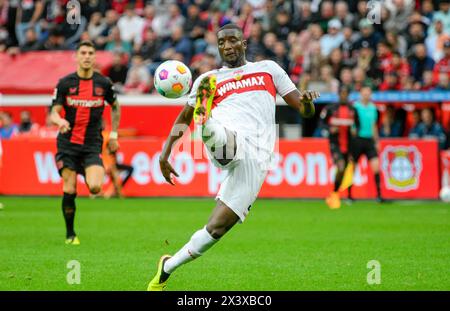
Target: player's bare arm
x=178, y=129
x=115, y=121
x=55, y=117
x=302, y=101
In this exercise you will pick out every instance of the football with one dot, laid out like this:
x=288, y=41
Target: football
x=444, y=194
x=173, y=79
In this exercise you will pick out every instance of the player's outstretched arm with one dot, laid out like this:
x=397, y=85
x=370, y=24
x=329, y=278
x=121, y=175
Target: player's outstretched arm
x=180, y=126
x=113, y=144
x=55, y=117
x=302, y=101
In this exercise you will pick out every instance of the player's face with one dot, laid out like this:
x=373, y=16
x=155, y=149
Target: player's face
x=343, y=96
x=86, y=57
x=231, y=46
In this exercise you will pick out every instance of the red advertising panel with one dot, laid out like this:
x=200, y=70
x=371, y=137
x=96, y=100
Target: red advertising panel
x=304, y=170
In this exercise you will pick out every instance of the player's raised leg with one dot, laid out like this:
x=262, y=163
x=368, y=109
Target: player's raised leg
x=94, y=178
x=220, y=222
x=69, y=177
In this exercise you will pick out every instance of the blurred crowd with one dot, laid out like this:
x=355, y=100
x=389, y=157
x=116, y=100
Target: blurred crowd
x=320, y=43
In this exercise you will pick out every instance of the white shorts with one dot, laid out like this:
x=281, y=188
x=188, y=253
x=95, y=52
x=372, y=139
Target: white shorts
x=243, y=181
x=241, y=186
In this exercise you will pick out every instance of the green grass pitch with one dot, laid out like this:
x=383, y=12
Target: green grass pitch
x=283, y=245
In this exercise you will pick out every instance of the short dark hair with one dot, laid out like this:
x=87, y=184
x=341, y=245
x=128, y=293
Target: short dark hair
x=230, y=26
x=85, y=43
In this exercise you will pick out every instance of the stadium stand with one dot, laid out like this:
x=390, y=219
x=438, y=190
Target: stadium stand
x=321, y=43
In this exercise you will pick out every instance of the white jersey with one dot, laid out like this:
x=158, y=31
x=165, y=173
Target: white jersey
x=245, y=103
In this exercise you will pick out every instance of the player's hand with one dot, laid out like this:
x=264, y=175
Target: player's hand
x=166, y=170
x=307, y=98
x=64, y=126
x=113, y=145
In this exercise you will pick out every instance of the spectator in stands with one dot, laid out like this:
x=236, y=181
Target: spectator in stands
x=367, y=35
x=118, y=71
x=384, y=54
x=443, y=82
x=443, y=15
x=326, y=81
x=165, y=24
x=360, y=80
x=346, y=78
x=281, y=56
x=295, y=63
x=96, y=26
x=333, y=39
x=368, y=61
x=325, y=15
x=427, y=81
x=111, y=18
x=443, y=66
x=342, y=13
x=255, y=45
x=151, y=47
x=55, y=41
x=305, y=15
x=177, y=43
x=28, y=14
x=282, y=26
x=31, y=41
x=348, y=46
x=8, y=129
x=116, y=44
x=390, y=127
x=399, y=12
x=420, y=62
x=429, y=128
x=195, y=27
x=435, y=42
x=415, y=35
x=26, y=125
x=391, y=82
x=245, y=20
x=131, y=26
x=336, y=62
x=138, y=77
x=314, y=60
x=397, y=42
x=149, y=18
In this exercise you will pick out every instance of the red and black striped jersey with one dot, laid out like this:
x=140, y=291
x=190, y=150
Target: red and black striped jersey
x=339, y=119
x=83, y=101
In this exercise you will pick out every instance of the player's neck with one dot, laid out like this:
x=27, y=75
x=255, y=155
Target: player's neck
x=239, y=63
x=85, y=73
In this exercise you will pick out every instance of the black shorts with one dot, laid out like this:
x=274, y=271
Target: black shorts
x=336, y=153
x=362, y=146
x=77, y=161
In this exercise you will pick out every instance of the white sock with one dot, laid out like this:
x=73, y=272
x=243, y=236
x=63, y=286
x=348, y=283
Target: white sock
x=214, y=134
x=199, y=243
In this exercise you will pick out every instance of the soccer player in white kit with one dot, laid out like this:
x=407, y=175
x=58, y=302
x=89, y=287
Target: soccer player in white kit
x=239, y=133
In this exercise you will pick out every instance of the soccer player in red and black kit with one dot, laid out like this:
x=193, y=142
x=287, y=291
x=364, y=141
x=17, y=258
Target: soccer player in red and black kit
x=82, y=95
x=339, y=119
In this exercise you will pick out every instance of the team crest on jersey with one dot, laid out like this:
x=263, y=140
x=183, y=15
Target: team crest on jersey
x=402, y=166
x=238, y=74
x=99, y=91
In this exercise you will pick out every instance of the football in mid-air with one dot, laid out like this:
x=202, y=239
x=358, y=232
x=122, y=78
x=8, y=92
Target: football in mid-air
x=173, y=79
x=444, y=194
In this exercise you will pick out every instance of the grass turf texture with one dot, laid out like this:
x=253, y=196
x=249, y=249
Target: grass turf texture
x=283, y=245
